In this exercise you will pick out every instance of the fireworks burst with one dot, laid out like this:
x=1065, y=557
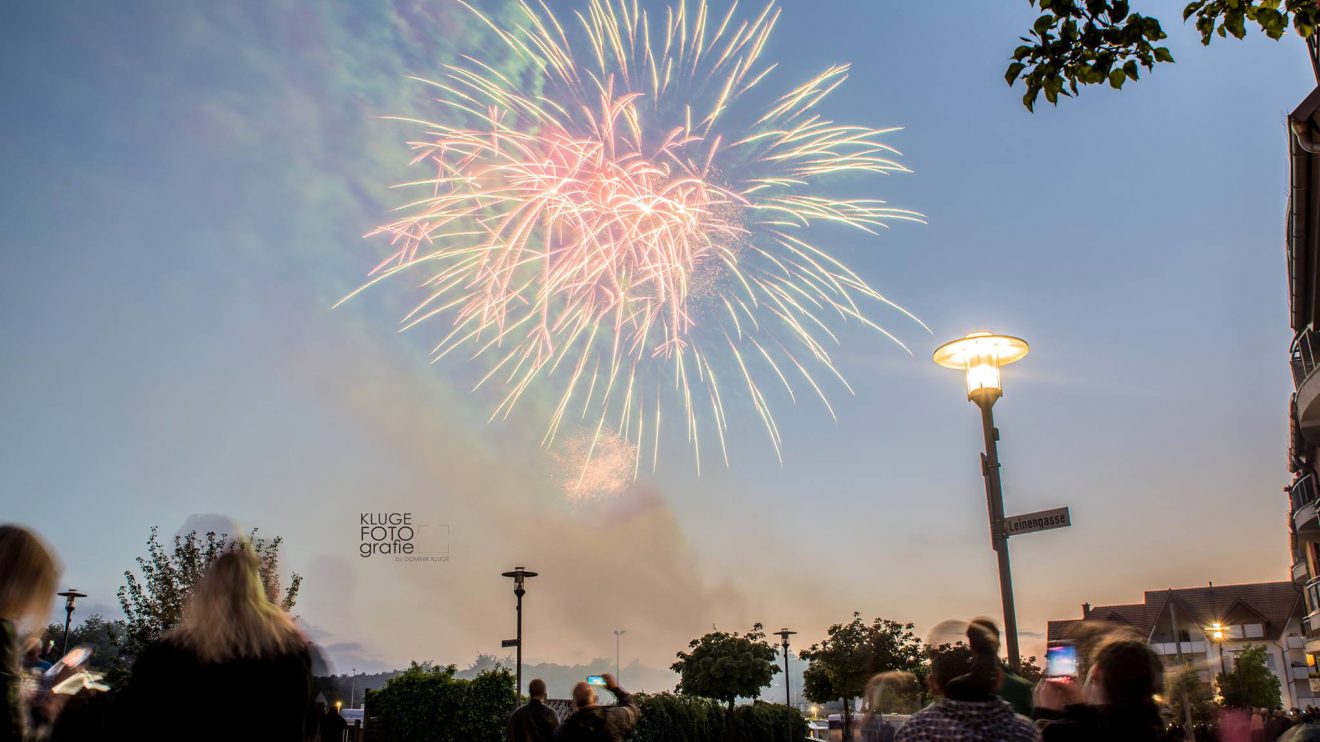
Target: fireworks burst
x=628, y=220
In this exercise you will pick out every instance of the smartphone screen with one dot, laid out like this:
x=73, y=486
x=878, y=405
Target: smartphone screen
x=596, y=680
x=1061, y=660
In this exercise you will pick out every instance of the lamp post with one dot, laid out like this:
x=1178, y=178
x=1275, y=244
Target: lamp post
x=1216, y=632
x=788, y=694
x=519, y=575
x=980, y=355
x=352, y=694
x=617, y=634
x=70, y=598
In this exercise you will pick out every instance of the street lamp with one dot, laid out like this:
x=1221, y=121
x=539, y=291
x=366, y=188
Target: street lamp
x=352, y=694
x=980, y=355
x=519, y=575
x=788, y=694
x=617, y=673
x=70, y=597
x=1216, y=632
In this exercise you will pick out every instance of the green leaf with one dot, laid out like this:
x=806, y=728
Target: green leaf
x=1116, y=79
x=1131, y=69
x=1162, y=54
x=1014, y=70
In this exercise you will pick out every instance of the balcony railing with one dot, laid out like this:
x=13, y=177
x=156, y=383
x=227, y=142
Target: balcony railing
x=1305, y=355
x=1302, y=492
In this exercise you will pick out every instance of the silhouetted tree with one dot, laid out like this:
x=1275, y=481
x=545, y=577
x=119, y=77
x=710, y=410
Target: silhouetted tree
x=1097, y=42
x=1250, y=684
x=727, y=666
x=153, y=603
x=852, y=653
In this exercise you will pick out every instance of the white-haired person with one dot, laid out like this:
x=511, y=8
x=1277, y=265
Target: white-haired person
x=29, y=574
x=233, y=648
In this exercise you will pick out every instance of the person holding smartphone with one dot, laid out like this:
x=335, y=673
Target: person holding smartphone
x=1117, y=701
x=591, y=722
x=28, y=578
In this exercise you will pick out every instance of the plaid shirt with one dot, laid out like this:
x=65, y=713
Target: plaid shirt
x=968, y=721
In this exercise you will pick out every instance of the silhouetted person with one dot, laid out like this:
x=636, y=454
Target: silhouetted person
x=533, y=721
x=1116, y=701
x=592, y=722
x=233, y=645
x=28, y=577
x=333, y=725
x=967, y=678
x=312, y=727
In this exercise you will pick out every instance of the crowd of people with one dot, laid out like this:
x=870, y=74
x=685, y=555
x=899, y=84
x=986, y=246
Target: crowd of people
x=233, y=636
x=589, y=721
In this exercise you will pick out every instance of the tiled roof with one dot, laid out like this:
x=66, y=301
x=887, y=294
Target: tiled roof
x=1274, y=602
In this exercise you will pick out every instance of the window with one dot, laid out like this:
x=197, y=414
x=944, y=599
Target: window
x=1254, y=630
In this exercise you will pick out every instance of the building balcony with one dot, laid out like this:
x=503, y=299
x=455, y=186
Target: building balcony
x=1170, y=648
x=1300, y=672
x=1300, y=573
x=1302, y=494
x=1305, y=359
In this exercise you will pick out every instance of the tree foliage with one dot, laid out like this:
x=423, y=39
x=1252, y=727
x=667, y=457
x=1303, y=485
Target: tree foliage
x=1250, y=684
x=106, y=638
x=668, y=717
x=1095, y=42
x=426, y=703
x=1185, y=687
x=153, y=602
x=854, y=652
x=727, y=666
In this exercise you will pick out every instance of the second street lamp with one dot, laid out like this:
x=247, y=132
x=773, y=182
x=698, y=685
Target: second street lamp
x=980, y=355
x=519, y=575
x=618, y=635
x=70, y=599
x=788, y=693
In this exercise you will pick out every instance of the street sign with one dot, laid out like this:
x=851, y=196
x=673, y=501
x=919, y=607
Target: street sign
x=1044, y=520
x=509, y=643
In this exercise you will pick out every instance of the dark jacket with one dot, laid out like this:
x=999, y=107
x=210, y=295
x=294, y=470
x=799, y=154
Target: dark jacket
x=600, y=723
x=1084, y=723
x=171, y=689
x=1017, y=691
x=13, y=721
x=533, y=722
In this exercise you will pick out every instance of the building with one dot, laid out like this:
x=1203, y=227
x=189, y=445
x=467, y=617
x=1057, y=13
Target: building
x=1211, y=625
x=1303, y=262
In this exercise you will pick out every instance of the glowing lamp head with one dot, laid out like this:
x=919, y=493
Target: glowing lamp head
x=980, y=355
x=1217, y=632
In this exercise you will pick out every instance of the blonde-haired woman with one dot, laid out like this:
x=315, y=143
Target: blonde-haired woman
x=28, y=578
x=234, y=648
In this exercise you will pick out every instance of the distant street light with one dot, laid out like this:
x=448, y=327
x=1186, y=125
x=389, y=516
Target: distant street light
x=70, y=598
x=788, y=693
x=980, y=355
x=519, y=575
x=352, y=694
x=617, y=673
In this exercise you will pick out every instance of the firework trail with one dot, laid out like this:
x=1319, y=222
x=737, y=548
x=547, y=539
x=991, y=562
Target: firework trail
x=629, y=220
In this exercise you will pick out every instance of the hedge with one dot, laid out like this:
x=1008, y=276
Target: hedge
x=428, y=704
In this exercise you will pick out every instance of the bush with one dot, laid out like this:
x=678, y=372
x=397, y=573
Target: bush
x=428, y=704
x=673, y=718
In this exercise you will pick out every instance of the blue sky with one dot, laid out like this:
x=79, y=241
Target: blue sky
x=185, y=189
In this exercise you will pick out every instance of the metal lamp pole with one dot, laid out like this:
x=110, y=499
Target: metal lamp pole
x=70, y=597
x=519, y=575
x=617, y=669
x=352, y=694
x=981, y=355
x=788, y=693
